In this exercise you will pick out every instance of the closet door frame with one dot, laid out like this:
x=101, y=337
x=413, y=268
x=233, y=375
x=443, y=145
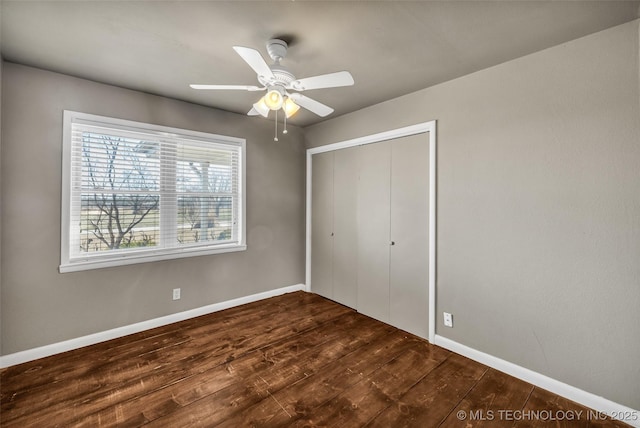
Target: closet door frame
x=420, y=128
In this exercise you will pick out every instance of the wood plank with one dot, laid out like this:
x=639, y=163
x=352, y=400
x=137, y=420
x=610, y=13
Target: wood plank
x=279, y=358
x=52, y=369
x=166, y=366
x=232, y=403
x=362, y=402
x=490, y=401
x=119, y=370
x=300, y=398
x=431, y=400
x=294, y=360
x=545, y=409
x=75, y=359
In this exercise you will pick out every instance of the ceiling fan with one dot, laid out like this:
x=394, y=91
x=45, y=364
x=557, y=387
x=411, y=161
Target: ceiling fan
x=282, y=87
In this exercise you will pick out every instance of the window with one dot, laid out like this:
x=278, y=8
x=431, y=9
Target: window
x=135, y=192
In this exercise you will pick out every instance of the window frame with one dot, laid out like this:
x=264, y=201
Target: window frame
x=69, y=263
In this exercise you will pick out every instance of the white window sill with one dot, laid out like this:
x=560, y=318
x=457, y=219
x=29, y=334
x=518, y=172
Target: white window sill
x=99, y=262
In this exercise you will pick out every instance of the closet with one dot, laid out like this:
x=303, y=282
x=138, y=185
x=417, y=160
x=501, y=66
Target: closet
x=370, y=230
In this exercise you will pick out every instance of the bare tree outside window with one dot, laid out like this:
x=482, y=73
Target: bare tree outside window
x=204, y=214
x=120, y=193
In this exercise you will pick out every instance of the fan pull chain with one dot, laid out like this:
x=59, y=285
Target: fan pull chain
x=285, y=124
x=275, y=138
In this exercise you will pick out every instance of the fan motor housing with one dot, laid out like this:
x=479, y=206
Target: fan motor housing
x=282, y=76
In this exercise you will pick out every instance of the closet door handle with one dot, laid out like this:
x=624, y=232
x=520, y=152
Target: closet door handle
x=393, y=242
x=331, y=233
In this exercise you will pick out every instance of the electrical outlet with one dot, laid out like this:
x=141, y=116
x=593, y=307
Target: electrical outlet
x=176, y=294
x=448, y=319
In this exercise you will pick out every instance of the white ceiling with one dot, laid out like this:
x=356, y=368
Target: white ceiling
x=391, y=47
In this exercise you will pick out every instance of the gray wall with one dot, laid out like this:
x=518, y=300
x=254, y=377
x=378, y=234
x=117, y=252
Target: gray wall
x=41, y=306
x=1, y=67
x=538, y=237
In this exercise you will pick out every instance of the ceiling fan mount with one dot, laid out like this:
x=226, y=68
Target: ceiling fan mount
x=277, y=49
x=278, y=81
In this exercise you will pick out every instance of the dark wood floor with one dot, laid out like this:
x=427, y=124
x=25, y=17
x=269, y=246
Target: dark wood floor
x=295, y=360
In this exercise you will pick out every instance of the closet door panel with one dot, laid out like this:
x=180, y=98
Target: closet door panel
x=322, y=224
x=345, y=226
x=409, y=258
x=373, y=230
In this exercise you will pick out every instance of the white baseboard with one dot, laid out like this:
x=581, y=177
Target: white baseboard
x=79, y=342
x=600, y=404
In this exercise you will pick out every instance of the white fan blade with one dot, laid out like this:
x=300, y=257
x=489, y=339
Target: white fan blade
x=311, y=105
x=253, y=112
x=228, y=87
x=331, y=80
x=255, y=61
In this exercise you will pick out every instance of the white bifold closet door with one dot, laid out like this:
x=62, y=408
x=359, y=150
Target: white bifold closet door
x=322, y=224
x=374, y=220
x=370, y=230
x=334, y=226
x=409, y=257
x=345, y=226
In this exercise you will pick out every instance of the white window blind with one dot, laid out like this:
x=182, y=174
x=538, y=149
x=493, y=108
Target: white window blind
x=135, y=192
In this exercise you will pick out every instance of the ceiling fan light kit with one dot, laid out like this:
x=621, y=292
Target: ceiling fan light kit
x=277, y=80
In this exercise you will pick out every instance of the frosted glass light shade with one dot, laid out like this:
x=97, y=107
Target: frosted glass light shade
x=261, y=107
x=274, y=99
x=290, y=108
